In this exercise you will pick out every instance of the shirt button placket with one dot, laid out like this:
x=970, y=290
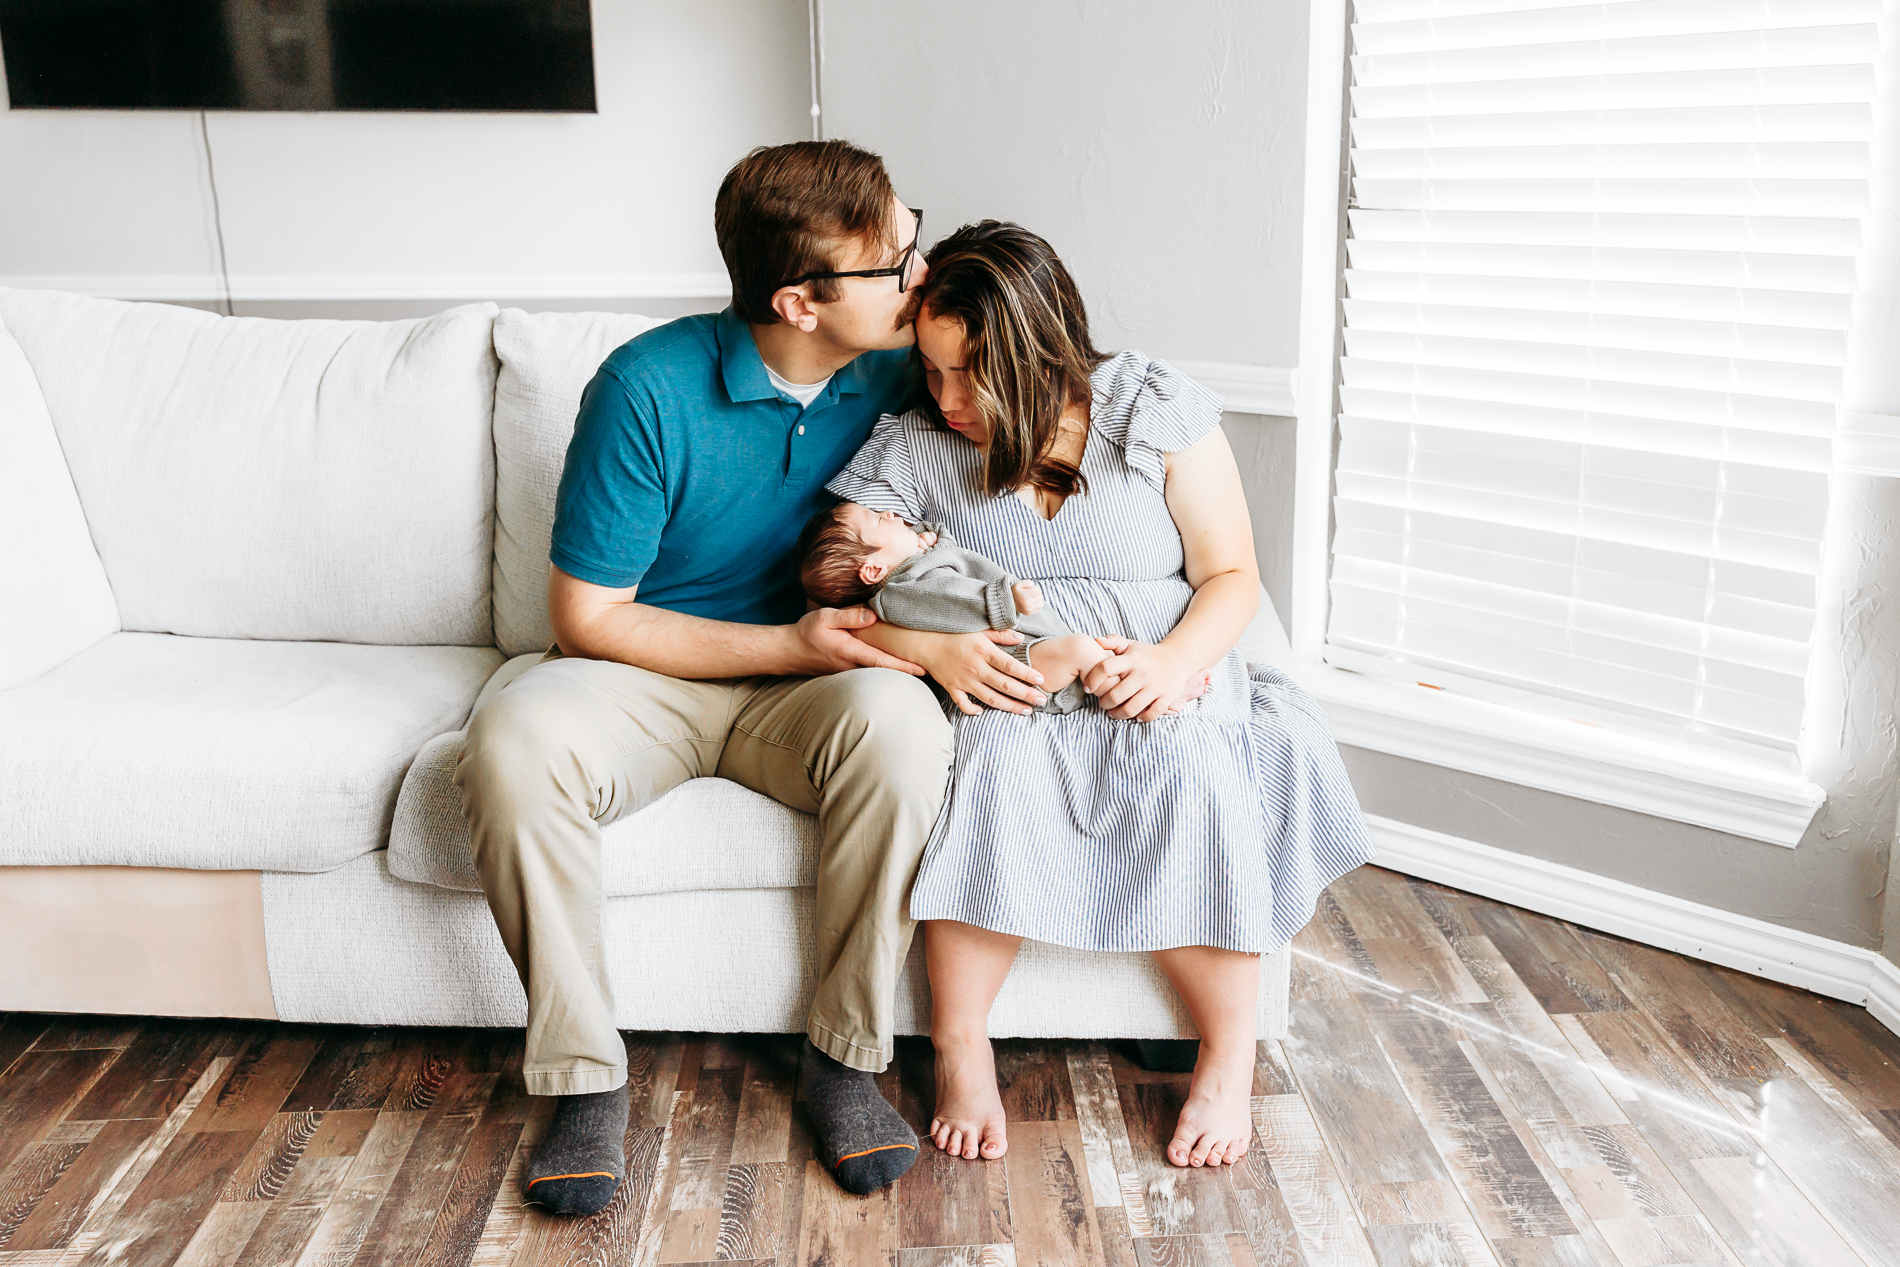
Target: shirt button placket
x=797, y=468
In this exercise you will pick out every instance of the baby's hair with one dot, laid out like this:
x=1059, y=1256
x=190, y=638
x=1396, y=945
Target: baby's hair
x=829, y=555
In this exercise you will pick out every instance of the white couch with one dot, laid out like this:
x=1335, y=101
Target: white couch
x=255, y=575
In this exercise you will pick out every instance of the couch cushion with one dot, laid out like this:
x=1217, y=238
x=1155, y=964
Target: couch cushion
x=546, y=360
x=300, y=480
x=54, y=598
x=705, y=834
x=159, y=751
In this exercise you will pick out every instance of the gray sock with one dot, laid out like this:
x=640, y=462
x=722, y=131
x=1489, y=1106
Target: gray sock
x=860, y=1136
x=582, y=1158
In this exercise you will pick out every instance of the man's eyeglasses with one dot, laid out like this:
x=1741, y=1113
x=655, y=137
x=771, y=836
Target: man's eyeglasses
x=901, y=270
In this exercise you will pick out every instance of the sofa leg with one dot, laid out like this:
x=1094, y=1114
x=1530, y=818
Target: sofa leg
x=1165, y=1055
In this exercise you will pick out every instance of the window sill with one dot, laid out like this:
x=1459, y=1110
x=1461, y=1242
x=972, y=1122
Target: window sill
x=1714, y=790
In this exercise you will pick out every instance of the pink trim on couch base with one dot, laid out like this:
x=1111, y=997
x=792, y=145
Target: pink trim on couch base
x=144, y=941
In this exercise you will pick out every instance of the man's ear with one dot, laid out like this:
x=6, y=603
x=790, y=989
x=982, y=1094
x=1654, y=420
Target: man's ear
x=872, y=573
x=795, y=308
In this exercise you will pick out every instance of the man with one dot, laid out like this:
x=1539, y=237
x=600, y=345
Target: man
x=685, y=650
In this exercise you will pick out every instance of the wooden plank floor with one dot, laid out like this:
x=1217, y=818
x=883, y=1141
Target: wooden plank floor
x=1466, y=1084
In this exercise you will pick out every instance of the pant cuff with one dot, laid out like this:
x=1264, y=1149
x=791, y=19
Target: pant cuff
x=845, y=1052
x=573, y=1081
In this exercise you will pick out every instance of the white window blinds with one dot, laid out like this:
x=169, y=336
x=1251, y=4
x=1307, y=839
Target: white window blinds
x=1600, y=262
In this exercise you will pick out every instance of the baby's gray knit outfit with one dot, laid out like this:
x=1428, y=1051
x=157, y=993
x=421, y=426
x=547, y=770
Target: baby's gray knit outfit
x=947, y=589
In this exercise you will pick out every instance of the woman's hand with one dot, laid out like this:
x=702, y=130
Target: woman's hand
x=1139, y=680
x=973, y=668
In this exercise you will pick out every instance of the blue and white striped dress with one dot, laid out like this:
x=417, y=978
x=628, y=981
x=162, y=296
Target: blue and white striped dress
x=1217, y=827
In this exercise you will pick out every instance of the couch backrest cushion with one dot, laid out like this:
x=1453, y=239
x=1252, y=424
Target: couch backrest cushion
x=54, y=598
x=296, y=480
x=546, y=360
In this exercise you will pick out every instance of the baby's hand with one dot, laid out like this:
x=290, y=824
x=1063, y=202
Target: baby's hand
x=1028, y=598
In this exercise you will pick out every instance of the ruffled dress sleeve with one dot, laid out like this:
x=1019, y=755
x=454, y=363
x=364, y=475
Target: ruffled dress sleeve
x=1151, y=409
x=881, y=476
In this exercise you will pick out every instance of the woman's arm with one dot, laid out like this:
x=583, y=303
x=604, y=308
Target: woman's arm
x=1209, y=507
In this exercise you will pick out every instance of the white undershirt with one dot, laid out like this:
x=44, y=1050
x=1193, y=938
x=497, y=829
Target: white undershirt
x=803, y=393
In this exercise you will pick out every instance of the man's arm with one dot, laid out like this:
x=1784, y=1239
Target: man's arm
x=597, y=623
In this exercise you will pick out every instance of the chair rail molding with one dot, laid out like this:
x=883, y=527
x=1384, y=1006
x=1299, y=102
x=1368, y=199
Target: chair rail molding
x=1853, y=974
x=1266, y=390
x=1868, y=444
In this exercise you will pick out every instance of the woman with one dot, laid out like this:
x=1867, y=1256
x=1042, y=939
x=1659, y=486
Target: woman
x=1203, y=835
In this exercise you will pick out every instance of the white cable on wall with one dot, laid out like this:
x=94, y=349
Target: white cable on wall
x=217, y=214
x=815, y=19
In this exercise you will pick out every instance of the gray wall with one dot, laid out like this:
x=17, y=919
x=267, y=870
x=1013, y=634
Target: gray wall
x=1157, y=147
x=1264, y=449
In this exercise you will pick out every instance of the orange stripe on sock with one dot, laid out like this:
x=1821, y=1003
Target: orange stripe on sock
x=592, y=1174
x=882, y=1148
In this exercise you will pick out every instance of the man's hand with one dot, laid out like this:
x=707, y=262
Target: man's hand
x=822, y=643
x=975, y=671
x=1028, y=597
x=973, y=667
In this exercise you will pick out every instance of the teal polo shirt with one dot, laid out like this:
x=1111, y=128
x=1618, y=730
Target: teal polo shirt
x=690, y=475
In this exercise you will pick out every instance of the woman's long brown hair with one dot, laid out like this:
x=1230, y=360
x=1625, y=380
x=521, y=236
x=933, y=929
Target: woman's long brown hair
x=1026, y=346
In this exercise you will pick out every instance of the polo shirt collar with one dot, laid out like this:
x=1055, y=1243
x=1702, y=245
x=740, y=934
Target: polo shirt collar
x=850, y=380
x=744, y=370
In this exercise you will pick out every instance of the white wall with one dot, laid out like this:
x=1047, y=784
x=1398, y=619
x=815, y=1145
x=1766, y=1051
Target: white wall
x=1156, y=146
x=416, y=205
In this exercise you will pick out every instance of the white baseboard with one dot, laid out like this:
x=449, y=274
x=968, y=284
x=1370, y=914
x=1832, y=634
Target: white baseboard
x=1249, y=389
x=320, y=286
x=1852, y=974
x=1883, y=994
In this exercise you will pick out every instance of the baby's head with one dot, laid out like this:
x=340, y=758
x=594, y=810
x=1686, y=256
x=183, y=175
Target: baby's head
x=847, y=552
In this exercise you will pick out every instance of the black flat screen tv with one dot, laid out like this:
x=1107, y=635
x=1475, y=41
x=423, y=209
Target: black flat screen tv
x=513, y=55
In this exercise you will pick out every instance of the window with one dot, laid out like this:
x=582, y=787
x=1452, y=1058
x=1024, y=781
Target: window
x=1599, y=264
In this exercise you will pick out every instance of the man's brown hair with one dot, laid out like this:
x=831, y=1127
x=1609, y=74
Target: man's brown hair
x=787, y=210
x=1026, y=347
x=829, y=555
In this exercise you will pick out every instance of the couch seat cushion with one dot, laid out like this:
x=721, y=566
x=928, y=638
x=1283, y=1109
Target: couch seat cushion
x=161, y=751
x=704, y=834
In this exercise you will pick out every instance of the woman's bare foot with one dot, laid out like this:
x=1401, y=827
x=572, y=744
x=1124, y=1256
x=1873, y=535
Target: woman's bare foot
x=1216, y=1123
x=969, y=1121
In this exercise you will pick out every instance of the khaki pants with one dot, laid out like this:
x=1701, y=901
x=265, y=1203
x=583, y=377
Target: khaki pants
x=573, y=744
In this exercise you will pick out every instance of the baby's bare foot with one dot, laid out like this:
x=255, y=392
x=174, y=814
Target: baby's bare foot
x=1198, y=685
x=969, y=1121
x=1215, y=1125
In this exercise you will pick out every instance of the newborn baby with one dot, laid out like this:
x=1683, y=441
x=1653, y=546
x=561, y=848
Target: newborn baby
x=916, y=576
